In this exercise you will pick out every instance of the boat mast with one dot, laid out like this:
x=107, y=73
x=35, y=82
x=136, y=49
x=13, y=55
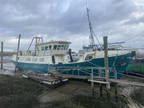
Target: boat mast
x=91, y=37
x=92, y=42
x=37, y=41
x=92, y=34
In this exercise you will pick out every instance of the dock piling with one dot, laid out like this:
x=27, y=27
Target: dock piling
x=106, y=60
x=1, y=55
x=116, y=92
x=101, y=91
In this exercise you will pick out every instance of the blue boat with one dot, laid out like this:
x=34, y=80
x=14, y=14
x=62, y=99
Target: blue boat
x=55, y=55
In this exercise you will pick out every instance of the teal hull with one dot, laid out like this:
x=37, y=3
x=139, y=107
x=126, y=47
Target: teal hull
x=119, y=62
x=32, y=67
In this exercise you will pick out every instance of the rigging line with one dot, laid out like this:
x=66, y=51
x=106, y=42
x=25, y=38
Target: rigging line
x=113, y=65
x=91, y=38
x=137, y=38
x=23, y=45
x=132, y=38
x=86, y=4
x=98, y=40
x=30, y=44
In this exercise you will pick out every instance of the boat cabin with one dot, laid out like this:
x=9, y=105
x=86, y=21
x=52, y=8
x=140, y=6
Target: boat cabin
x=57, y=48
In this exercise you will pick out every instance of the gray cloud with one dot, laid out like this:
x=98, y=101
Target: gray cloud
x=66, y=19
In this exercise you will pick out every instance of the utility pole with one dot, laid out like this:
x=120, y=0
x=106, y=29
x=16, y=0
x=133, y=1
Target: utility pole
x=106, y=60
x=1, y=55
x=18, y=49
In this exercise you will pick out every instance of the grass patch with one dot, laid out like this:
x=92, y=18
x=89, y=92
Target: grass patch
x=22, y=93
x=138, y=96
x=18, y=93
x=94, y=102
x=89, y=102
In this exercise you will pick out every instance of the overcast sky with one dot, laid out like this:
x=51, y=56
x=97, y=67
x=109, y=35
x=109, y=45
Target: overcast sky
x=120, y=20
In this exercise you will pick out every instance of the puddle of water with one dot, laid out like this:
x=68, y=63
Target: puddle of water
x=8, y=66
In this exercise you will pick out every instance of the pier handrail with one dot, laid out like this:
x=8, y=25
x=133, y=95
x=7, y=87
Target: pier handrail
x=64, y=70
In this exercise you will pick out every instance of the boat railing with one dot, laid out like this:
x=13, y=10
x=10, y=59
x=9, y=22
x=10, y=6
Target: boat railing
x=26, y=53
x=40, y=53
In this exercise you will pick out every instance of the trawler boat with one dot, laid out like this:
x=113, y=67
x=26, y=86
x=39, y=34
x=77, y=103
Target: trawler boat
x=56, y=54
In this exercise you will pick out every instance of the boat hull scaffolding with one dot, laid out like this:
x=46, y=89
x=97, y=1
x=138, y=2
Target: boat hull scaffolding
x=119, y=63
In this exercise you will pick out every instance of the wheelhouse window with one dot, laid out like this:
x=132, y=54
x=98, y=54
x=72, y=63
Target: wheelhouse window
x=65, y=47
x=42, y=48
x=50, y=47
x=62, y=47
x=46, y=48
x=58, y=47
x=88, y=57
x=55, y=47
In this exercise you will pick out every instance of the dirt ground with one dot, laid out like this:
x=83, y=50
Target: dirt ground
x=66, y=91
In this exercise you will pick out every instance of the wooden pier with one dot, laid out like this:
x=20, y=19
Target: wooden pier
x=102, y=80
